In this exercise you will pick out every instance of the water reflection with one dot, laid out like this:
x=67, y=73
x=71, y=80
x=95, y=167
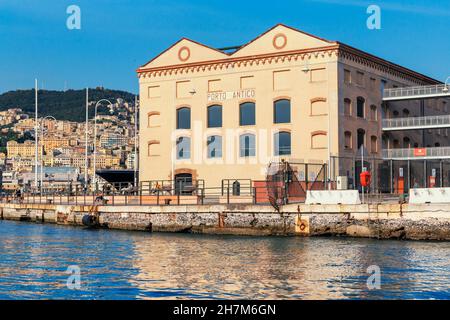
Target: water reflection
x=127, y=265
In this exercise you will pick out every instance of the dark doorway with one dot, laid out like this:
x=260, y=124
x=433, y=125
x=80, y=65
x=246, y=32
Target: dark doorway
x=183, y=184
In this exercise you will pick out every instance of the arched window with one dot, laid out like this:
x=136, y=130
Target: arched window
x=184, y=118
x=385, y=141
x=319, y=107
x=348, y=140
x=373, y=144
x=247, y=145
x=361, y=139
x=214, y=146
x=215, y=116
x=282, y=142
x=406, y=142
x=373, y=113
x=183, y=148
x=153, y=148
x=282, y=111
x=152, y=119
x=396, y=144
x=247, y=114
x=347, y=107
x=318, y=140
x=360, y=104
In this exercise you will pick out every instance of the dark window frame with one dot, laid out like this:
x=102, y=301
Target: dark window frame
x=244, y=150
x=280, y=150
x=217, y=151
x=243, y=106
x=278, y=108
x=209, y=110
x=179, y=124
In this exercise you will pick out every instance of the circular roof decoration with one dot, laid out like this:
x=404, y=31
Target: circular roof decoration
x=184, y=54
x=279, y=41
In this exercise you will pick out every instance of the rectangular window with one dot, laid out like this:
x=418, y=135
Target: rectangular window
x=347, y=76
x=248, y=82
x=281, y=80
x=183, y=89
x=154, y=92
x=383, y=84
x=318, y=75
x=214, y=85
x=360, y=78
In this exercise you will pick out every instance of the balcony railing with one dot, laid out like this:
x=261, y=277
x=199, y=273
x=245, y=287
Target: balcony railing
x=417, y=153
x=416, y=123
x=416, y=92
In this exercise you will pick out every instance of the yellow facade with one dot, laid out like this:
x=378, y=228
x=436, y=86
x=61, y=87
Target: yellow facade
x=52, y=143
x=317, y=77
x=15, y=149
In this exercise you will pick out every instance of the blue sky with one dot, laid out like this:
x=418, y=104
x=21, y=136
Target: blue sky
x=117, y=36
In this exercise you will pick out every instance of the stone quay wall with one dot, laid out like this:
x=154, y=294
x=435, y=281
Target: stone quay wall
x=381, y=221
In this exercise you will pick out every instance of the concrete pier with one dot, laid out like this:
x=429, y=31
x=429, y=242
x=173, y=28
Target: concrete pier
x=382, y=221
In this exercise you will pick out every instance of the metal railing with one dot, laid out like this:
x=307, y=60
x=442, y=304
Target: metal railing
x=416, y=123
x=417, y=153
x=416, y=92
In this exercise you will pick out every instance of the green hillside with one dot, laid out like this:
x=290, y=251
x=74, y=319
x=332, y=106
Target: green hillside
x=63, y=105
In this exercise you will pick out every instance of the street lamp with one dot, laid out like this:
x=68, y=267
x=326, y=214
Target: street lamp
x=42, y=151
x=446, y=85
x=36, y=133
x=136, y=103
x=94, y=179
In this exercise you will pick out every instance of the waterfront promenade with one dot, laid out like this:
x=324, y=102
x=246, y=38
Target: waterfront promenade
x=380, y=221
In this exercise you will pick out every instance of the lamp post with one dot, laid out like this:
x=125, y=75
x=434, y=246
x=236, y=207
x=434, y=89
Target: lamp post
x=446, y=85
x=136, y=103
x=42, y=151
x=86, y=142
x=36, y=133
x=94, y=179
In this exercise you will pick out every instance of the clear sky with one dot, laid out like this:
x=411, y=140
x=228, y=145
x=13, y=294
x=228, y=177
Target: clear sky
x=117, y=36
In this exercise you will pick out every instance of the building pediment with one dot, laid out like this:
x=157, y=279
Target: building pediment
x=185, y=51
x=276, y=40
x=281, y=38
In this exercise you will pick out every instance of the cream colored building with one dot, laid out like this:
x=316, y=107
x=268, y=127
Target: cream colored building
x=26, y=149
x=51, y=143
x=287, y=94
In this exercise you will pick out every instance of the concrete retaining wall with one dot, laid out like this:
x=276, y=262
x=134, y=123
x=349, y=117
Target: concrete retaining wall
x=383, y=221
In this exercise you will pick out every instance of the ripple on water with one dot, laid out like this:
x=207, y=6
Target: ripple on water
x=129, y=265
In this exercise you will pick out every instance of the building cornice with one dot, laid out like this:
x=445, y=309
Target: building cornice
x=338, y=49
x=238, y=61
x=369, y=60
